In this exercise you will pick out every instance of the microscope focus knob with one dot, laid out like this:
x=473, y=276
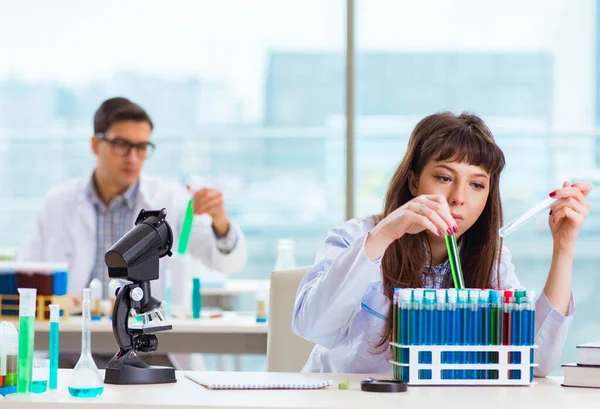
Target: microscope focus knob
x=137, y=294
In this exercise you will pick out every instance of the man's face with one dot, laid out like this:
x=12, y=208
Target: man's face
x=117, y=160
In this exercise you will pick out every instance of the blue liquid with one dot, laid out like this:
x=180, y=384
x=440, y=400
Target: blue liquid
x=528, y=331
x=417, y=326
x=405, y=339
x=472, y=338
x=54, y=339
x=427, y=327
x=395, y=332
x=7, y=390
x=418, y=332
x=440, y=327
x=463, y=314
x=515, y=324
x=196, y=298
x=451, y=336
x=486, y=335
x=39, y=386
x=86, y=392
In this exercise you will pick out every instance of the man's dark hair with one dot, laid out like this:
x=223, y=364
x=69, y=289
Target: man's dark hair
x=118, y=109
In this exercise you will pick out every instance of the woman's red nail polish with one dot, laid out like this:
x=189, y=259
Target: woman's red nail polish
x=455, y=228
x=449, y=231
x=439, y=233
x=552, y=194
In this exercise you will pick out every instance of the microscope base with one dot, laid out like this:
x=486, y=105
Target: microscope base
x=121, y=372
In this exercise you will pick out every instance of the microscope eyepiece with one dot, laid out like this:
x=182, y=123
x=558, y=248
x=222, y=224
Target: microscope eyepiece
x=135, y=256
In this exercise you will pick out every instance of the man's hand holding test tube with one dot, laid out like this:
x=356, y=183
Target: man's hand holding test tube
x=209, y=201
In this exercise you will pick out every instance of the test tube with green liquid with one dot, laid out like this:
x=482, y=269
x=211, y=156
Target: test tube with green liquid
x=454, y=261
x=186, y=228
x=26, y=338
x=53, y=347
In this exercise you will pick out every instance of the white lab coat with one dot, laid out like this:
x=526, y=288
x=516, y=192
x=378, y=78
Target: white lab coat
x=65, y=231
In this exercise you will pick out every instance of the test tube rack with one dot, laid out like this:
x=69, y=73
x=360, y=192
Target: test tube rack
x=11, y=303
x=431, y=373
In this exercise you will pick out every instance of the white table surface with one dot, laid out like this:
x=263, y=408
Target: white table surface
x=233, y=333
x=547, y=394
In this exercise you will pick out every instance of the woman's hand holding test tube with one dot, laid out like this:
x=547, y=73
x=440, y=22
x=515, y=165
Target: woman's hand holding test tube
x=568, y=213
x=425, y=212
x=568, y=210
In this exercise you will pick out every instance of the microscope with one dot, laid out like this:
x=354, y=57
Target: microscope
x=135, y=258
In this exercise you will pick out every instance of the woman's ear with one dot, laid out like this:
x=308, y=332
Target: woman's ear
x=413, y=183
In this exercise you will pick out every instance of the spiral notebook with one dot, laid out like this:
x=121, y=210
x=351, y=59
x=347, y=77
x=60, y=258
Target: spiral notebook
x=256, y=380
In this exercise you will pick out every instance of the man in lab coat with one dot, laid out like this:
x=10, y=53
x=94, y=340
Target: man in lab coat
x=82, y=218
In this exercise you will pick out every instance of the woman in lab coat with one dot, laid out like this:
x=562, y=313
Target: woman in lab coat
x=447, y=182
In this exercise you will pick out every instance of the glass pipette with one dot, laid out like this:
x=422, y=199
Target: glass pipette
x=525, y=217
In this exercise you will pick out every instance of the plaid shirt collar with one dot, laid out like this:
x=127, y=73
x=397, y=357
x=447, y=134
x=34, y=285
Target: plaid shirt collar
x=128, y=197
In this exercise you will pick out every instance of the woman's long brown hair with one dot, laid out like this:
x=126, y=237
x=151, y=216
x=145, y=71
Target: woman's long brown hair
x=445, y=137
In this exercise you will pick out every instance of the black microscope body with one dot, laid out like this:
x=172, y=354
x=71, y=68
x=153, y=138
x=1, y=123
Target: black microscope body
x=135, y=258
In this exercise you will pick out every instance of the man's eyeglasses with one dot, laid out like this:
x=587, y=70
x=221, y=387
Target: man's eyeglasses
x=123, y=147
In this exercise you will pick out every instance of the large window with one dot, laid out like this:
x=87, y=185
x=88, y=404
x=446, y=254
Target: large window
x=228, y=84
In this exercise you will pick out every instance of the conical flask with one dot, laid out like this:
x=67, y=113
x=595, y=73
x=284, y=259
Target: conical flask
x=86, y=380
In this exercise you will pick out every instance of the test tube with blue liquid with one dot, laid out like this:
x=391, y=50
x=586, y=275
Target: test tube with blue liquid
x=417, y=320
x=395, y=331
x=440, y=320
x=529, y=325
x=53, y=348
x=406, y=328
x=485, y=329
x=452, y=330
x=463, y=316
x=428, y=325
x=473, y=330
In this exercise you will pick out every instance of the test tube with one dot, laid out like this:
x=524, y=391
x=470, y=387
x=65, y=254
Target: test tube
x=186, y=228
x=53, y=347
x=96, y=290
x=196, y=298
x=440, y=306
x=485, y=332
x=529, y=325
x=395, y=330
x=463, y=334
x=9, y=344
x=525, y=217
x=454, y=261
x=262, y=296
x=406, y=334
x=452, y=331
x=429, y=322
x=474, y=329
x=26, y=338
x=496, y=325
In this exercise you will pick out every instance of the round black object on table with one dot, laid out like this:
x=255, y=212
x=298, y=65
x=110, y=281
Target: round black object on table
x=382, y=385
